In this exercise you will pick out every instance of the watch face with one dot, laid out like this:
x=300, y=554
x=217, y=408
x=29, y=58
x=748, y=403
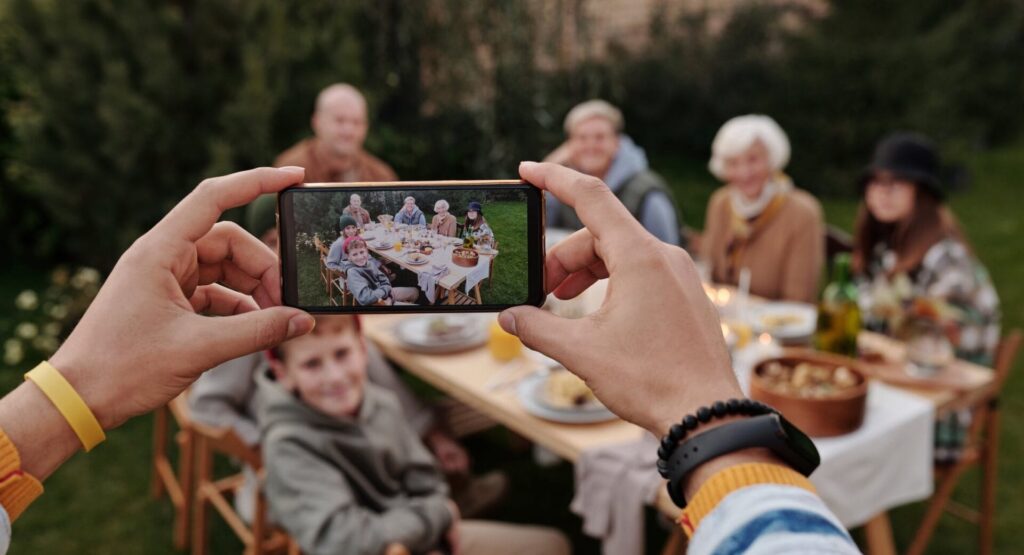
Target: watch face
x=799, y=441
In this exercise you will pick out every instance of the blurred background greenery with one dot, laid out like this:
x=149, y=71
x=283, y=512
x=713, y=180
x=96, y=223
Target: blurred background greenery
x=112, y=111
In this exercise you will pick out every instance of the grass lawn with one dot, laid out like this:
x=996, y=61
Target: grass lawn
x=508, y=281
x=99, y=503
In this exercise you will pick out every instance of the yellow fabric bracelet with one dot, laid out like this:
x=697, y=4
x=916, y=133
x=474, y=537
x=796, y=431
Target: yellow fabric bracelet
x=69, y=403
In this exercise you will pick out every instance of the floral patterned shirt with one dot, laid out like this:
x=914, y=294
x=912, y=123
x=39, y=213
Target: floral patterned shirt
x=948, y=272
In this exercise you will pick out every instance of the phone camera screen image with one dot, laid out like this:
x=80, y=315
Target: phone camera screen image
x=401, y=247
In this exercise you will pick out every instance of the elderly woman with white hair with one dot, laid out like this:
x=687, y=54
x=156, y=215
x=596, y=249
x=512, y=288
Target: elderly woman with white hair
x=356, y=210
x=597, y=146
x=443, y=223
x=759, y=220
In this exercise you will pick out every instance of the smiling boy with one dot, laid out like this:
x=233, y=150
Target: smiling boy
x=368, y=282
x=347, y=474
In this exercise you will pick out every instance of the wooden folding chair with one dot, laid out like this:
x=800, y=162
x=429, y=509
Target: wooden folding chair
x=260, y=537
x=463, y=420
x=490, y=271
x=981, y=449
x=177, y=483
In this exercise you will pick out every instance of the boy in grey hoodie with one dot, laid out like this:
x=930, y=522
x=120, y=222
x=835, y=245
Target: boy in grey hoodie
x=347, y=474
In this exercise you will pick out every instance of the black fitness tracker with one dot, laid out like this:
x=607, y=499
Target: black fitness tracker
x=770, y=431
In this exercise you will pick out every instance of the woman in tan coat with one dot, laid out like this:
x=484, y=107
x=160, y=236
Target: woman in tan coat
x=443, y=222
x=759, y=220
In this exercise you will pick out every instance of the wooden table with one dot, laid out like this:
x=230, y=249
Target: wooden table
x=456, y=275
x=465, y=376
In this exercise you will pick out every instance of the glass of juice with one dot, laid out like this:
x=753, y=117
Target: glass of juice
x=503, y=345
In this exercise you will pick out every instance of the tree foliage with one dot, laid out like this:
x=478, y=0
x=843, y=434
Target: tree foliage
x=114, y=110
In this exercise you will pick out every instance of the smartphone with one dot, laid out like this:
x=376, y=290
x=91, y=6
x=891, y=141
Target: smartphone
x=425, y=246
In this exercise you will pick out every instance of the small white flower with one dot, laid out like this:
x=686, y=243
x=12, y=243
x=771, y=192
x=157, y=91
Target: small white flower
x=52, y=329
x=59, y=312
x=26, y=330
x=27, y=300
x=85, y=277
x=45, y=344
x=13, y=352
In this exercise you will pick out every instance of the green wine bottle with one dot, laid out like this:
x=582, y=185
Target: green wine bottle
x=838, y=312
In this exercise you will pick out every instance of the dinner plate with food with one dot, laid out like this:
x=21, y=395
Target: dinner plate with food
x=416, y=258
x=786, y=321
x=560, y=396
x=441, y=333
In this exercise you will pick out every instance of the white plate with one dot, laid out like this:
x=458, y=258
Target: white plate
x=531, y=391
x=805, y=319
x=423, y=260
x=413, y=333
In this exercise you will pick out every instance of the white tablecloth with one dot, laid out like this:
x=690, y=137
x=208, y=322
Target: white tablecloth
x=886, y=463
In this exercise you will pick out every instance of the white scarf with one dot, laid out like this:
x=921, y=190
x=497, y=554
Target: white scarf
x=747, y=209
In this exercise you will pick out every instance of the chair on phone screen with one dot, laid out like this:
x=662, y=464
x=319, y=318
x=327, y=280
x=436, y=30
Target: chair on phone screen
x=490, y=271
x=259, y=537
x=178, y=483
x=340, y=285
x=327, y=275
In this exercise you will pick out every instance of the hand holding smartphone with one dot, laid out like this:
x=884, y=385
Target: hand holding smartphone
x=434, y=246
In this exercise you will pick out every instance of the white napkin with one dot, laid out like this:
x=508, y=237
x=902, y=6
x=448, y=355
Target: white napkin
x=427, y=280
x=613, y=484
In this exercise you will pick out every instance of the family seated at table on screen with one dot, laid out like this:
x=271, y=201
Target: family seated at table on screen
x=370, y=280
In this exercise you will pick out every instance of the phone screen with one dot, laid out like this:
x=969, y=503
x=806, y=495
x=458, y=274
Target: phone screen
x=412, y=246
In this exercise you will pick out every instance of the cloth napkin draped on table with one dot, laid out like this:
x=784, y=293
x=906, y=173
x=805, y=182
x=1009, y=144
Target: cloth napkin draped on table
x=428, y=280
x=613, y=485
x=477, y=274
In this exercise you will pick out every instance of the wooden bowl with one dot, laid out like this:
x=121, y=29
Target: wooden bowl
x=465, y=257
x=837, y=414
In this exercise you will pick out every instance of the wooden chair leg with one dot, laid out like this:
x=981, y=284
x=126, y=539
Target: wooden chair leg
x=879, y=535
x=186, y=470
x=159, y=450
x=936, y=507
x=676, y=544
x=204, y=472
x=989, y=470
x=259, y=525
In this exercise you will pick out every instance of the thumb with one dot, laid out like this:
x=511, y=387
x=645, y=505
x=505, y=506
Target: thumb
x=230, y=337
x=540, y=330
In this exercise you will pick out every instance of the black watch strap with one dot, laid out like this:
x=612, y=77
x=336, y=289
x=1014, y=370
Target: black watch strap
x=769, y=431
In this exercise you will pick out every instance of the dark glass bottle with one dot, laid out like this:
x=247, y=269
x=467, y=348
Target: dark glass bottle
x=838, y=313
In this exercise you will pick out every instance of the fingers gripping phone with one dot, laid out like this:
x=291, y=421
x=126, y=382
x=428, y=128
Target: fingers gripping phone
x=430, y=246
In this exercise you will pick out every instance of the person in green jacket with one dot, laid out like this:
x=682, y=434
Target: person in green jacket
x=346, y=473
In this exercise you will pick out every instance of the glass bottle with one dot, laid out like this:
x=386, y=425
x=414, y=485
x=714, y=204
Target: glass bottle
x=838, y=312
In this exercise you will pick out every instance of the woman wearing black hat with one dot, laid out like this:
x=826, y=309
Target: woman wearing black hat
x=908, y=247
x=475, y=224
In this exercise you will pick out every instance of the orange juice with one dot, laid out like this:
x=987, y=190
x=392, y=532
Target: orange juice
x=503, y=345
x=398, y=246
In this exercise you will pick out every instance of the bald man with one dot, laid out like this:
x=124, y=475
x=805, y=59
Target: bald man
x=335, y=152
